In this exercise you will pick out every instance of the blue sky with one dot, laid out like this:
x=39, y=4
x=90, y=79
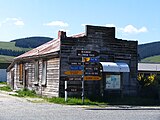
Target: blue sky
x=133, y=19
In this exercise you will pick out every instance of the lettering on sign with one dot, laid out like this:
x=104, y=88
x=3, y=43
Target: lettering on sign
x=76, y=67
x=75, y=78
x=75, y=63
x=75, y=72
x=71, y=78
x=92, y=78
x=92, y=73
x=87, y=53
x=74, y=89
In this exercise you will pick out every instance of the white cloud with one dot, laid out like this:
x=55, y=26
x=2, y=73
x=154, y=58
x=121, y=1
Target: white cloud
x=19, y=23
x=57, y=23
x=131, y=29
x=15, y=21
x=110, y=25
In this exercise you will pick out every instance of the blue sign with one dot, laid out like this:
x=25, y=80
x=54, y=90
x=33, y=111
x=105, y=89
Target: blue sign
x=76, y=67
x=94, y=60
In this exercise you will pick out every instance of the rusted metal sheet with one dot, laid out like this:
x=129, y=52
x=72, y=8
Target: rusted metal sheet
x=49, y=47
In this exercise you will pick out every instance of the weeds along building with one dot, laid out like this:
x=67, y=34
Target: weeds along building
x=106, y=64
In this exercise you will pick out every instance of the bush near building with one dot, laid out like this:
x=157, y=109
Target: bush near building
x=150, y=85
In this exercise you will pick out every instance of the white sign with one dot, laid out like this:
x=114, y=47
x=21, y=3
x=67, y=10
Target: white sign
x=113, y=82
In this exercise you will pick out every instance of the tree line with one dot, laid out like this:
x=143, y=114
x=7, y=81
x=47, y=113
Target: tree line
x=10, y=52
x=31, y=42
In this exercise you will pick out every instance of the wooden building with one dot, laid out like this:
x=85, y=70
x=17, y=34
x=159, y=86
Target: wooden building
x=105, y=63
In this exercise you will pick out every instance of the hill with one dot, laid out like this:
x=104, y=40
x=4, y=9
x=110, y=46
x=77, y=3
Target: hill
x=11, y=46
x=19, y=46
x=31, y=42
x=152, y=59
x=149, y=49
x=6, y=59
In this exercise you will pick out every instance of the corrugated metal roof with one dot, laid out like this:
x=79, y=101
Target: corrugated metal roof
x=49, y=47
x=148, y=67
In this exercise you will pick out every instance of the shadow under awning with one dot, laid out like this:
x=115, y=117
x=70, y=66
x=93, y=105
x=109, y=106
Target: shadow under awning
x=115, y=67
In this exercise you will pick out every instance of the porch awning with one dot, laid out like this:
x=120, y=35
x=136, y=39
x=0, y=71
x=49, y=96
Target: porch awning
x=115, y=67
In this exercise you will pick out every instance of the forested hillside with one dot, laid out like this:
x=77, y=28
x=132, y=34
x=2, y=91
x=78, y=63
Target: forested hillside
x=31, y=42
x=20, y=46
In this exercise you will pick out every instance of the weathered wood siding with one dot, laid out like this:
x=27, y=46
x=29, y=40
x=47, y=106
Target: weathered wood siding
x=17, y=83
x=102, y=40
x=50, y=89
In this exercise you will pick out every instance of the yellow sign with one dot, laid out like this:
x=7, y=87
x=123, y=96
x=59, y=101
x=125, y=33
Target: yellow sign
x=86, y=59
x=75, y=72
x=92, y=78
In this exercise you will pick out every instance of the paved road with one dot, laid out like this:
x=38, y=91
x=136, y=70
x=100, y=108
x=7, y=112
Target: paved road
x=12, y=108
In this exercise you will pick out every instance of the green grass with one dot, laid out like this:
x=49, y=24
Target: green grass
x=11, y=46
x=134, y=101
x=3, y=83
x=6, y=88
x=6, y=59
x=152, y=59
x=73, y=101
x=26, y=93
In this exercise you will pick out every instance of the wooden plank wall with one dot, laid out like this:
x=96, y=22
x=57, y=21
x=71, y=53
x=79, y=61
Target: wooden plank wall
x=17, y=83
x=51, y=89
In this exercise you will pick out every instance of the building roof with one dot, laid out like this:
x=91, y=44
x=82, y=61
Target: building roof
x=148, y=66
x=49, y=47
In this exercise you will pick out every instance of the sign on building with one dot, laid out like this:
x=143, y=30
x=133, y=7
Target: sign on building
x=113, y=82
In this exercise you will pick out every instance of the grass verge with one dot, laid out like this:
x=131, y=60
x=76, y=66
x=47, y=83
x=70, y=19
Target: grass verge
x=6, y=88
x=26, y=93
x=3, y=83
x=134, y=101
x=74, y=101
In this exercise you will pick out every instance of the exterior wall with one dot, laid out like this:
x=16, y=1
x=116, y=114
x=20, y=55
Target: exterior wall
x=50, y=89
x=17, y=83
x=3, y=75
x=52, y=85
x=102, y=40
